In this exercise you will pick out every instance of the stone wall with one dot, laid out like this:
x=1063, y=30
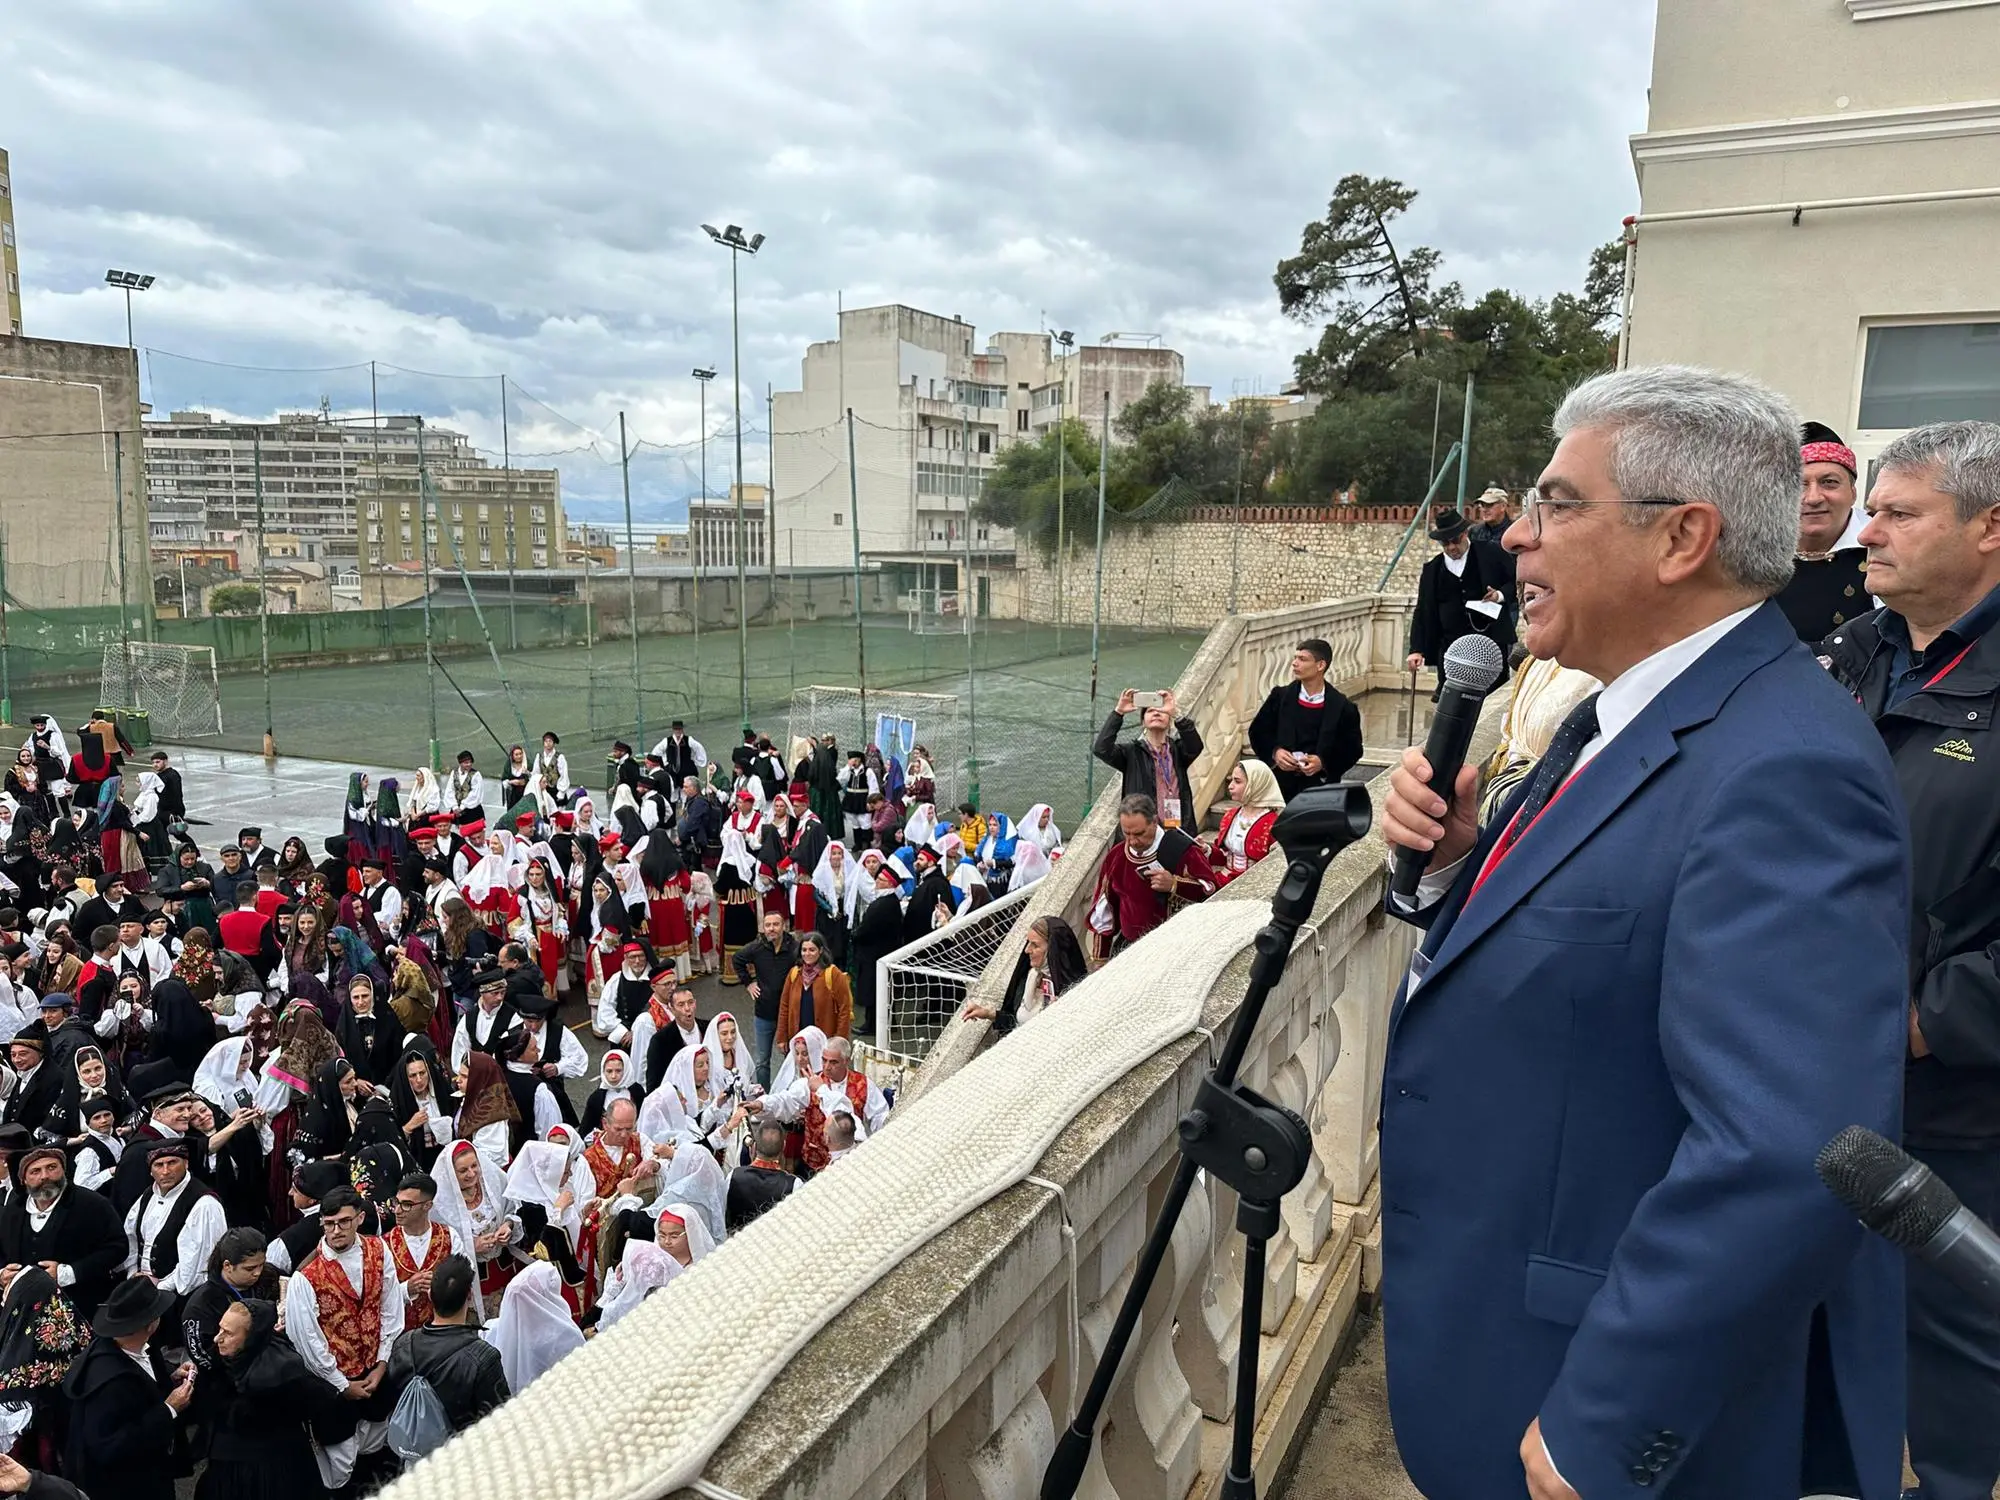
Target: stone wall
x=1175, y=575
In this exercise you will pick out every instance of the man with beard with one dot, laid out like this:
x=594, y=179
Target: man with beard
x=1147, y=876
x=933, y=891
x=68, y=1231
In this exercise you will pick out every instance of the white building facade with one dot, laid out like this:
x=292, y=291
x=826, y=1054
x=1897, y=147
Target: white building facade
x=1767, y=123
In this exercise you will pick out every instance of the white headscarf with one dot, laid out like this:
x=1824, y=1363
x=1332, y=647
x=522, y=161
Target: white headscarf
x=920, y=825
x=219, y=1076
x=736, y=850
x=424, y=796
x=1048, y=839
x=613, y=1092
x=692, y=1177
x=538, y=1173
x=642, y=1268
x=534, y=1329
x=700, y=1241
x=451, y=1209
x=871, y=862
x=680, y=1079
x=850, y=874
x=1030, y=864
x=789, y=1072
x=1260, y=787
x=661, y=1117
x=503, y=871
x=745, y=1071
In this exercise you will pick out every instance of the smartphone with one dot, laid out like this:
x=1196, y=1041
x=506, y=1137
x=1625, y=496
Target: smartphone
x=244, y=1099
x=1149, y=700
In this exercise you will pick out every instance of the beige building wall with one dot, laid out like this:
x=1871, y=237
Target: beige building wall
x=69, y=414
x=1796, y=102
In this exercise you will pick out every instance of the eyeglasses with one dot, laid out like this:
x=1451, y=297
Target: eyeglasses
x=1536, y=503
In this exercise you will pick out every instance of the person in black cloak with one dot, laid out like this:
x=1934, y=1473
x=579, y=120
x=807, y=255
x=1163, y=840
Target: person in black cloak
x=183, y=1030
x=377, y=1157
x=259, y=1443
x=423, y=1118
x=40, y=1334
x=328, y=1126
x=368, y=1032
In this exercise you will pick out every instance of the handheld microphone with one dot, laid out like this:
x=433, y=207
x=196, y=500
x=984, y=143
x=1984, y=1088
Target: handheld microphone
x=1906, y=1203
x=1472, y=664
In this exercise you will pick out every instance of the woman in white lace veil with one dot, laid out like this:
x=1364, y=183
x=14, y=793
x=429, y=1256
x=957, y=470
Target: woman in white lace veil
x=534, y=1329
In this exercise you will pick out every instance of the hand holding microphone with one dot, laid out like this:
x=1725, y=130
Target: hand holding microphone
x=1432, y=815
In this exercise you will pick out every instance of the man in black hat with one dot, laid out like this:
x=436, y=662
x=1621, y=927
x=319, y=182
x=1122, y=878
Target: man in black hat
x=1467, y=589
x=681, y=754
x=37, y=1086
x=170, y=1109
x=384, y=903
x=68, y=1231
x=122, y=1415
x=310, y=1185
x=546, y=1054
x=1829, y=583
x=171, y=1230
x=112, y=905
x=173, y=800
x=255, y=854
x=490, y=1024
x=465, y=788
x=624, y=770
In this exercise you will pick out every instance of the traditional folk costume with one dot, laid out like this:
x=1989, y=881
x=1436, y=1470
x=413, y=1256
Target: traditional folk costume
x=666, y=885
x=409, y=1255
x=541, y=925
x=1246, y=828
x=468, y=1221
x=808, y=1098
x=1126, y=907
x=1828, y=589
x=343, y=1312
x=563, y=1234
x=804, y=842
x=747, y=871
x=491, y=883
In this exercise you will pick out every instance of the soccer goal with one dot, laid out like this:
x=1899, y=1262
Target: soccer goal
x=895, y=723
x=175, y=686
x=934, y=612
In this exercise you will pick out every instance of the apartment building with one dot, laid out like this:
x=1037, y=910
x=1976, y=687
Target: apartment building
x=352, y=488
x=10, y=265
x=934, y=410
x=1820, y=187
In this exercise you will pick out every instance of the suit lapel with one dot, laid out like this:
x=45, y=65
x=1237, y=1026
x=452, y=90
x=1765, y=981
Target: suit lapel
x=1611, y=779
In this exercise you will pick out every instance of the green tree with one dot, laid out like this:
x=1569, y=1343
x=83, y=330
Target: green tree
x=234, y=599
x=1379, y=304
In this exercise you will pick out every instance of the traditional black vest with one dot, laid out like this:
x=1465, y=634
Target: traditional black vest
x=165, y=1252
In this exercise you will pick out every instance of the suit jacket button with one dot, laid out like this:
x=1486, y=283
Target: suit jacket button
x=1642, y=1476
x=1671, y=1439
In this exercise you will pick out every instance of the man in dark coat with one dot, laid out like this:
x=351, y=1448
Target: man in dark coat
x=461, y=1367
x=1162, y=735
x=81, y=1230
x=1829, y=583
x=758, y=1188
x=37, y=1086
x=173, y=801
x=1308, y=732
x=933, y=889
x=121, y=1414
x=1463, y=574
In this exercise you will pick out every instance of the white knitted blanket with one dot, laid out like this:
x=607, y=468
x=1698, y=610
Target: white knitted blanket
x=977, y=1134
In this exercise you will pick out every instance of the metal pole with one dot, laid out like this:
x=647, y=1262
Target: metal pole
x=1437, y=424
x=791, y=610
x=1625, y=296
x=424, y=573
x=968, y=604
x=124, y=598
x=1236, y=532
x=694, y=545
x=128, y=318
x=263, y=594
x=631, y=580
x=860, y=640
x=507, y=469
x=1097, y=600
x=771, y=502
x=1062, y=451
x=6, y=681
x=742, y=542
x=185, y=615
x=375, y=461
x=1465, y=446
x=1451, y=456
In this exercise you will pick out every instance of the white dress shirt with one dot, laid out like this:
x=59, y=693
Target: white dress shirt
x=204, y=1225
x=302, y=1313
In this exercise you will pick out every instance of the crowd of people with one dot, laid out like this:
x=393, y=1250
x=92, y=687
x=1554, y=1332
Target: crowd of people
x=300, y=1170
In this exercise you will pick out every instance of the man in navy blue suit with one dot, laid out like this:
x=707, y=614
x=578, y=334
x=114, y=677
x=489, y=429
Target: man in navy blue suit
x=1670, y=968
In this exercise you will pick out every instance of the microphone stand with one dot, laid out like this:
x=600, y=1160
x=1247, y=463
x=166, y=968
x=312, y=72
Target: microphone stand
x=1257, y=1147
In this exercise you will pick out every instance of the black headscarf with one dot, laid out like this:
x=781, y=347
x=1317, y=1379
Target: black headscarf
x=326, y=1112
x=372, y=1063
x=182, y=1031
x=661, y=861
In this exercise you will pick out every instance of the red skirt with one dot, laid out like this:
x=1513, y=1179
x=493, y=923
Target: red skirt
x=667, y=921
x=494, y=1275
x=549, y=953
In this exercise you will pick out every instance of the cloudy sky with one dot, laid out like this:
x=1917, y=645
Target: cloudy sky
x=474, y=189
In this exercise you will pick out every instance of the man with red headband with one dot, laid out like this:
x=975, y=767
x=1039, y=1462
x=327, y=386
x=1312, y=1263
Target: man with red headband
x=1829, y=583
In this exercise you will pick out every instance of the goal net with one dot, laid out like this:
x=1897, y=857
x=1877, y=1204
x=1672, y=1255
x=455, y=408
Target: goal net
x=921, y=986
x=175, y=686
x=895, y=723
x=934, y=612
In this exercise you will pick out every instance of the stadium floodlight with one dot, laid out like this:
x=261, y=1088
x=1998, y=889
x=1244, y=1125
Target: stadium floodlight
x=731, y=238
x=130, y=282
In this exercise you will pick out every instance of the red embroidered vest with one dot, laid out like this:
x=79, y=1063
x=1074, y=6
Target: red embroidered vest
x=416, y=1308
x=815, y=1153
x=351, y=1324
x=604, y=1170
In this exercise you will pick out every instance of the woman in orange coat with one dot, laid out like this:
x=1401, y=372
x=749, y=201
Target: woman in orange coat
x=831, y=1003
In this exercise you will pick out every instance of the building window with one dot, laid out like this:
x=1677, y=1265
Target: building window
x=486, y=554
x=6, y=234
x=836, y=518
x=930, y=436
x=536, y=513
x=541, y=559
x=986, y=440
x=482, y=508
x=374, y=508
x=1918, y=373
x=1021, y=420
